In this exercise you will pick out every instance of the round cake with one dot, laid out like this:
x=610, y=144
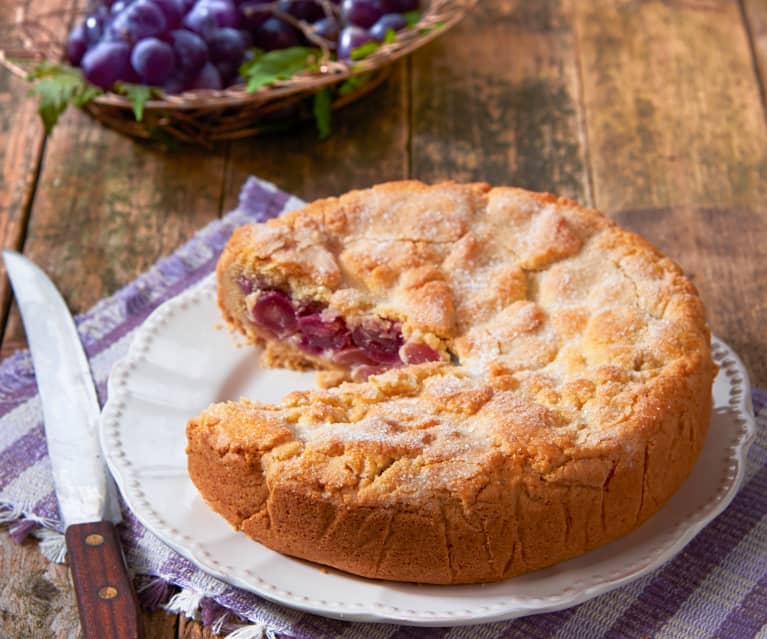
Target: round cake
x=512, y=380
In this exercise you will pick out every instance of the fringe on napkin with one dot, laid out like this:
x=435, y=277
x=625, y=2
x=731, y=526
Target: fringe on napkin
x=207, y=611
x=21, y=517
x=52, y=544
x=23, y=522
x=253, y=631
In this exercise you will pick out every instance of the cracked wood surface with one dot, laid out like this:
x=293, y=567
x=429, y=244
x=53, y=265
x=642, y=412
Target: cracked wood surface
x=653, y=111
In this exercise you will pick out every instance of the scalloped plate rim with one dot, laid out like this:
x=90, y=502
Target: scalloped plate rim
x=128, y=484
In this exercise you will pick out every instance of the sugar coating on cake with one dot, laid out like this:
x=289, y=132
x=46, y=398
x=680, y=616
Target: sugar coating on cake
x=532, y=381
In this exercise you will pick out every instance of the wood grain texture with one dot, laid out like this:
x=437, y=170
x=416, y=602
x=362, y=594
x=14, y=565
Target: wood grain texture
x=368, y=145
x=36, y=596
x=20, y=153
x=104, y=591
x=22, y=140
x=158, y=624
x=189, y=629
x=678, y=148
x=497, y=99
x=107, y=208
x=755, y=19
x=673, y=111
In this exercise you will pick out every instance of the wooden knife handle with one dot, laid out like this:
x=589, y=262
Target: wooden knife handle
x=105, y=597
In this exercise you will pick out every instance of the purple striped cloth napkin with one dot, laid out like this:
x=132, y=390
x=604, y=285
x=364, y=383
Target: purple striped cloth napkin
x=717, y=587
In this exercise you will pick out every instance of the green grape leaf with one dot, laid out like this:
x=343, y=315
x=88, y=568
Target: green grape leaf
x=391, y=36
x=364, y=50
x=138, y=94
x=412, y=18
x=255, y=56
x=351, y=84
x=322, y=112
x=281, y=64
x=86, y=95
x=56, y=87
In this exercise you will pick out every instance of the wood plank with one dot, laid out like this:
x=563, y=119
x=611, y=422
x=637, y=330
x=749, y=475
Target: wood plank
x=672, y=107
x=36, y=598
x=755, y=15
x=497, y=100
x=368, y=145
x=21, y=130
x=159, y=624
x=20, y=153
x=107, y=208
x=189, y=629
x=678, y=147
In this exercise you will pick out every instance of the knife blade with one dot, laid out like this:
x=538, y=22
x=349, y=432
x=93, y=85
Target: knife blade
x=85, y=492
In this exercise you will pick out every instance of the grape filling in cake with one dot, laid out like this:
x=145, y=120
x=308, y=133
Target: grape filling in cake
x=365, y=345
x=529, y=381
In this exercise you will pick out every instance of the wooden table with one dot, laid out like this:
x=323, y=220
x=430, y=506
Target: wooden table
x=653, y=111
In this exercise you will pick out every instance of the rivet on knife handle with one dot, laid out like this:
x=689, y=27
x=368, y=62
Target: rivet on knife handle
x=105, y=597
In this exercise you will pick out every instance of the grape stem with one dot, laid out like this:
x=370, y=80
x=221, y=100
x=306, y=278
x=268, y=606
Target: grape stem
x=331, y=10
x=305, y=28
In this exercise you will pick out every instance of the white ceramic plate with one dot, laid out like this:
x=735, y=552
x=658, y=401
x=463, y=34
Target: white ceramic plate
x=178, y=364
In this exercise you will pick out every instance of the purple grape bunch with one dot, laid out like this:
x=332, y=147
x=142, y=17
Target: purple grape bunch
x=178, y=45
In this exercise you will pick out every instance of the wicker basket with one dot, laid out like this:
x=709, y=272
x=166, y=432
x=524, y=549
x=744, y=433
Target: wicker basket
x=205, y=116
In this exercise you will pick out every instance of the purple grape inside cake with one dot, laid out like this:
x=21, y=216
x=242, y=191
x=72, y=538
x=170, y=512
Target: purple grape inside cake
x=371, y=346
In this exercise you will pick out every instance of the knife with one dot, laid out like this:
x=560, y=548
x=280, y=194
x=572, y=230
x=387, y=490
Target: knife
x=86, y=495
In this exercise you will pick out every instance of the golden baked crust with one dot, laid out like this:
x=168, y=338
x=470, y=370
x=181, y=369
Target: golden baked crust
x=576, y=402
